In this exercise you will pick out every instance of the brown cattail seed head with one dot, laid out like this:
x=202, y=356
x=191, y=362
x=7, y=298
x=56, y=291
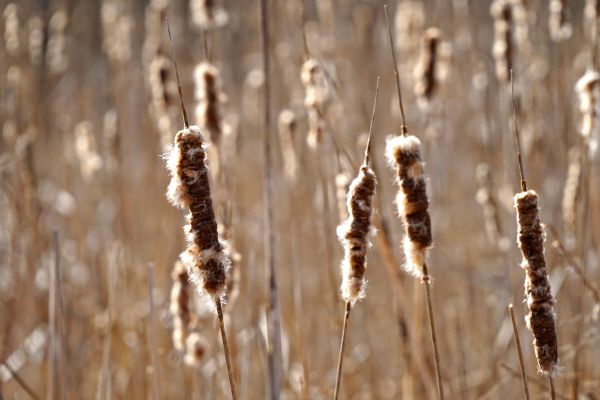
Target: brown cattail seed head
x=540, y=301
x=430, y=69
x=560, y=28
x=503, y=48
x=195, y=349
x=316, y=99
x=588, y=91
x=287, y=125
x=206, y=14
x=210, y=99
x=353, y=234
x=180, y=305
x=404, y=155
x=189, y=188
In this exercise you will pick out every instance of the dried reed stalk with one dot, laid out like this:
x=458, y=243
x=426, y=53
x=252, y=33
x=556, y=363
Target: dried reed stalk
x=204, y=257
x=404, y=155
x=519, y=351
x=353, y=234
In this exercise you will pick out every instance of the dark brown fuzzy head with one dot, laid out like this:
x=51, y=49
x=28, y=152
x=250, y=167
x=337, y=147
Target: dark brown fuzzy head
x=353, y=234
x=540, y=320
x=210, y=99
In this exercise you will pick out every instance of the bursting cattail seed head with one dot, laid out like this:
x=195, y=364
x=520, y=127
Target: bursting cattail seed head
x=404, y=155
x=353, y=234
x=189, y=188
x=541, y=318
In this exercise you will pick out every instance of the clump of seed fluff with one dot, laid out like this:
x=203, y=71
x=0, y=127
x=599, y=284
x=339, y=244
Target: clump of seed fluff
x=353, y=233
x=404, y=155
x=189, y=188
x=316, y=99
x=541, y=318
x=210, y=99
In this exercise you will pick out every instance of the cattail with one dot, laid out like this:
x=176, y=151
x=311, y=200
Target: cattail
x=210, y=98
x=287, y=125
x=156, y=12
x=163, y=90
x=195, y=349
x=11, y=30
x=503, y=48
x=540, y=301
x=591, y=13
x=55, y=52
x=189, y=188
x=316, y=99
x=409, y=24
x=572, y=191
x=35, y=46
x=90, y=161
x=342, y=187
x=560, y=28
x=404, y=155
x=181, y=294
x=430, y=70
x=588, y=91
x=353, y=234
x=485, y=197
x=116, y=33
x=206, y=14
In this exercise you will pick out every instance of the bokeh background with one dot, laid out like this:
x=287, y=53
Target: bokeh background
x=89, y=104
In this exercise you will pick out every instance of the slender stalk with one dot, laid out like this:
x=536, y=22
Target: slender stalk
x=396, y=73
x=226, y=349
x=184, y=113
x=341, y=355
x=517, y=137
x=519, y=351
x=552, y=390
x=155, y=395
x=30, y=392
x=274, y=320
x=63, y=357
x=434, y=342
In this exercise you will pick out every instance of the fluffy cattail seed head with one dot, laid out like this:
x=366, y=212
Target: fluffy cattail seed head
x=189, y=188
x=560, y=28
x=207, y=15
x=588, y=91
x=540, y=301
x=180, y=305
x=404, y=155
x=210, y=98
x=353, y=234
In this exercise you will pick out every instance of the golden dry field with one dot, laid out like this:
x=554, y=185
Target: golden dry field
x=299, y=199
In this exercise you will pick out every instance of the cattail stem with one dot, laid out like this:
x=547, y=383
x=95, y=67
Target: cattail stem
x=519, y=352
x=436, y=354
x=517, y=138
x=226, y=348
x=185, y=118
x=341, y=354
x=396, y=73
x=552, y=390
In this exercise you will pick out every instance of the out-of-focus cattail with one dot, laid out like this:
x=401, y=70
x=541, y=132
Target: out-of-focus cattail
x=156, y=12
x=404, y=155
x=163, y=90
x=485, y=197
x=559, y=26
x=353, y=234
x=116, y=32
x=591, y=13
x=342, y=187
x=56, y=51
x=90, y=161
x=12, y=41
x=503, y=48
x=571, y=192
x=287, y=125
x=588, y=91
x=210, y=99
x=111, y=138
x=430, y=70
x=189, y=188
x=409, y=24
x=316, y=99
x=540, y=301
x=35, y=45
x=196, y=348
x=180, y=307
x=207, y=14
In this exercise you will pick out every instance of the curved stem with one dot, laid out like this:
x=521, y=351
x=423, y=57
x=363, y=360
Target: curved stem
x=338, y=377
x=226, y=348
